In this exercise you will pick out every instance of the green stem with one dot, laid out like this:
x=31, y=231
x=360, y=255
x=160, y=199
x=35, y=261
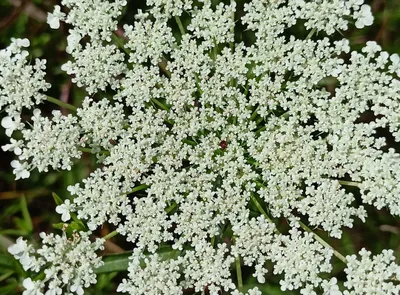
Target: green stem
x=89, y=150
x=285, y=115
x=312, y=32
x=110, y=235
x=61, y=103
x=254, y=115
x=163, y=67
x=349, y=183
x=161, y=105
x=6, y=275
x=138, y=188
x=259, y=207
x=170, y=208
x=117, y=40
x=323, y=242
x=239, y=274
x=180, y=25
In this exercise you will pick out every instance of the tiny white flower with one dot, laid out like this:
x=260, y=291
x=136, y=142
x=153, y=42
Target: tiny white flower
x=73, y=41
x=53, y=19
x=13, y=146
x=22, y=42
x=32, y=288
x=342, y=46
x=20, y=250
x=56, y=291
x=371, y=48
x=365, y=18
x=76, y=288
x=64, y=210
x=10, y=124
x=20, y=170
x=395, y=66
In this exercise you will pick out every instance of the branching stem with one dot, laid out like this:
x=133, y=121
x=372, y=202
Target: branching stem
x=110, y=235
x=61, y=103
x=323, y=242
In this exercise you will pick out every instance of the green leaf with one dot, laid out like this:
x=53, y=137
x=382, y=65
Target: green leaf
x=59, y=225
x=6, y=275
x=77, y=223
x=9, y=289
x=71, y=227
x=57, y=199
x=26, y=215
x=6, y=261
x=114, y=263
x=21, y=224
x=120, y=262
x=13, y=232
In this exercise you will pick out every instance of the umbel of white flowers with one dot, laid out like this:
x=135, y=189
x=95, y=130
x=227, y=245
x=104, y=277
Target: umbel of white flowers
x=211, y=128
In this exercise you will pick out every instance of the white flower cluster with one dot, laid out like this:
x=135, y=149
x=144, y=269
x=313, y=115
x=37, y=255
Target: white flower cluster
x=100, y=133
x=223, y=138
x=96, y=67
x=148, y=40
x=21, y=84
x=372, y=276
x=213, y=27
x=49, y=143
x=96, y=19
x=68, y=263
x=202, y=267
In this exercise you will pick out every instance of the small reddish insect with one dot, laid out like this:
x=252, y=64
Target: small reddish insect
x=223, y=144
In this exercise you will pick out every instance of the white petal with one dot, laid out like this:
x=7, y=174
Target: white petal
x=28, y=284
x=7, y=147
x=24, y=174
x=53, y=21
x=23, y=42
x=36, y=113
x=15, y=164
x=7, y=122
x=17, y=151
x=394, y=58
x=261, y=279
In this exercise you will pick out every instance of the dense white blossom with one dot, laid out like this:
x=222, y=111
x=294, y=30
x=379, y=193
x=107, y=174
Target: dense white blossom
x=213, y=27
x=96, y=67
x=96, y=19
x=21, y=84
x=206, y=142
x=158, y=276
x=99, y=134
x=148, y=40
x=51, y=142
x=68, y=263
x=372, y=275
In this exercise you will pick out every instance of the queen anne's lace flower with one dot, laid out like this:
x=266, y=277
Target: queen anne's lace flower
x=148, y=40
x=68, y=263
x=21, y=84
x=372, y=275
x=51, y=143
x=96, y=19
x=221, y=136
x=96, y=67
